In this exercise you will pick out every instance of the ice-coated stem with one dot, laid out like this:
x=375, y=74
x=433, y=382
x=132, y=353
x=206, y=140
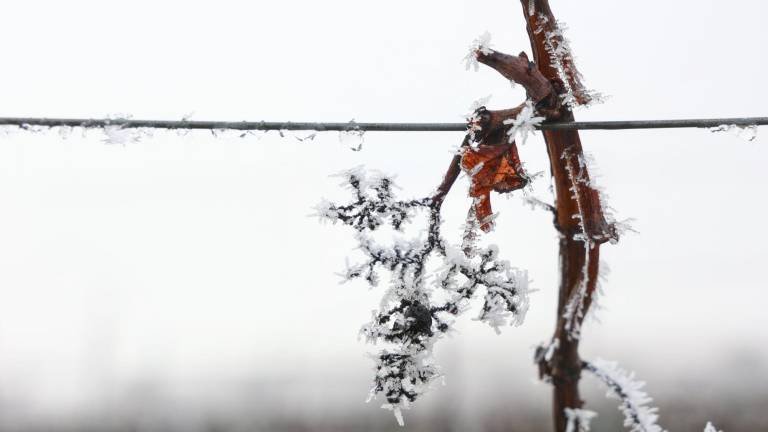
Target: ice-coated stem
x=578, y=217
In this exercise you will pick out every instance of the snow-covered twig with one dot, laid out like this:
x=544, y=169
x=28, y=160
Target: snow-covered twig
x=409, y=317
x=559, y=49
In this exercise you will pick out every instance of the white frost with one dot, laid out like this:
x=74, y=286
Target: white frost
x=580, y=417
x=638, y=415
x=748, y=133
x=351, y=137
x=524, y=124
x=559, y=49
x=119, y=135
x=481, y=44
x=473, y=120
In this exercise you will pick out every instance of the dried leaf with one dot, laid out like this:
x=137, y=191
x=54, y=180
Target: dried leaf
x=492, y=167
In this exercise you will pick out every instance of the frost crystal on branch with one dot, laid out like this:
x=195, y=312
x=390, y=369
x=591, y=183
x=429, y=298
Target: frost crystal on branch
x=474, y=120
x=524, y=123
x=578, y=419
x=409, y=316
x=638, y=416
x=574, y=309
x=481, y=44
x=559, y=49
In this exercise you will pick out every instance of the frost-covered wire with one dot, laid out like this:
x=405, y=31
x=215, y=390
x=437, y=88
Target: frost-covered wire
x=353, y=137
x=410, y=317
x=39, y=124
x=748, y=132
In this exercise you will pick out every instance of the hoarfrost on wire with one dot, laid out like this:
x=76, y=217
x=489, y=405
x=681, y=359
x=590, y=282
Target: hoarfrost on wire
x=352, y=137
x=7, y=130
x=710, y=428
x=524, y=123
x=748, y=132
x=410, y=318
x=118, y=135
x=481, y=44
x=310, y=137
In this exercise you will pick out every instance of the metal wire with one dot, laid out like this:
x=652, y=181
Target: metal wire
x=370, y=127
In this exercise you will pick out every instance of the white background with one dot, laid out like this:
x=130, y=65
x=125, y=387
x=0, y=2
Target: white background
x=180, y=270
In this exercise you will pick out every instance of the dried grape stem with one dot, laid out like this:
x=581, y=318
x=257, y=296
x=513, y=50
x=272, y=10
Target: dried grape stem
x=454, y=169
x=520, y=70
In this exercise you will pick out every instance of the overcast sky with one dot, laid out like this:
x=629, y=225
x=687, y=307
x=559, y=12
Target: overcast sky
x=188, y=260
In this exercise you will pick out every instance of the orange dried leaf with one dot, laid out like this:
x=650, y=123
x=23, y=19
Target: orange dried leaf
x=491, y=167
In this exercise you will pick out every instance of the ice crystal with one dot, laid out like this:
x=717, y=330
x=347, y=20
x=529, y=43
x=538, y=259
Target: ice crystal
x=401, y=378
x=537, y=203
x=474, y=121
x=748, y=132
x=119, y=135
x=524, y=123
x=64, y=132
x=578, y=419
x=561, y=57
x=481, y=44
